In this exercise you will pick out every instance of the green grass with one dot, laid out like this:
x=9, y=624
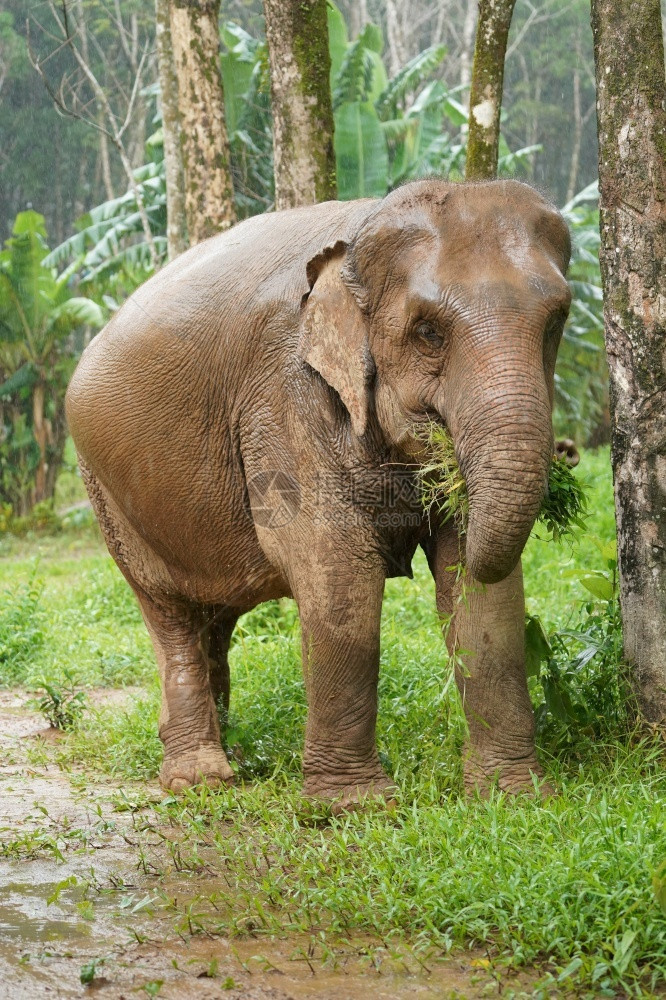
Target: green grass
x=66, y=604
x=568, y=883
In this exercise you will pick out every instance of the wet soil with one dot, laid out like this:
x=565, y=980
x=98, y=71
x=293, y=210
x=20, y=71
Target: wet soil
x=77, y=899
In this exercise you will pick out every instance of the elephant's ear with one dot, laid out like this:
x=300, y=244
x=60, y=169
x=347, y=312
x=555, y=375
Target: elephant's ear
x=333, y=335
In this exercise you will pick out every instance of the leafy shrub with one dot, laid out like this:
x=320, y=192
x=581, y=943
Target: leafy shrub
x=63, y=706
x=576, y=675
x=42, y=518
x=38, y=319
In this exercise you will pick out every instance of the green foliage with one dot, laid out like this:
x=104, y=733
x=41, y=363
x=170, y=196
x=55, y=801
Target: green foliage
x=577, y=678
x=38, y=319
x=42, y=518
x=80, y=603
x=109, y=252
x=246, y=81
x=88, y=972
x=387, y=131
x=61, y=705
x=360, y=150
x=444, y=491
x=564, y=507
x=21, y=628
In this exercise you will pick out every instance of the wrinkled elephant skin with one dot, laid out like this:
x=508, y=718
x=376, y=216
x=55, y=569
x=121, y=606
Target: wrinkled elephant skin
x=247, y=429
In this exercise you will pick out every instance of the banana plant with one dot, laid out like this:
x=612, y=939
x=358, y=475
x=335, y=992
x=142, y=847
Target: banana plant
x=388, y=131
x=38, y=317
x=108, y=249
x=383, y=127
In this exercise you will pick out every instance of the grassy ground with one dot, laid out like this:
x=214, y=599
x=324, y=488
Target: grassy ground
x=574, y=884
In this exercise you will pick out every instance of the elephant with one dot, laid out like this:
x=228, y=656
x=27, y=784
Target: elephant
x=248, y=427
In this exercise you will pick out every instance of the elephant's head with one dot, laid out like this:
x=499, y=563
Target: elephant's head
x=449, y=304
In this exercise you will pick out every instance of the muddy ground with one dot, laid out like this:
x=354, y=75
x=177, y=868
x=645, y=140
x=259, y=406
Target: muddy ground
x=77, y=898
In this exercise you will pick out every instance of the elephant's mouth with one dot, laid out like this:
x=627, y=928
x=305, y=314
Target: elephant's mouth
x=491, y=499
x=415, y=439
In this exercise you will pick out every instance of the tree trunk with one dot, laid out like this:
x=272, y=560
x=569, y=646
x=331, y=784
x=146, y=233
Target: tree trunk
x=356, y=16
x=467, y=43
x=297, y=35
x=485, y=99
x=209, y=202
x=106, y=165
x=173, y=159
x=395, y=36
x=40, y=431
x=629, y=58
x=57, y=439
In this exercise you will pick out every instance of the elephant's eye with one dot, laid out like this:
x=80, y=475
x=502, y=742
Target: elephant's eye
x=426, y=331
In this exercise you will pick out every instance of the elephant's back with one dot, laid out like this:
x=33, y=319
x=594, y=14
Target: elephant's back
x=242, y=273
x=216, y=306
x=209, y=315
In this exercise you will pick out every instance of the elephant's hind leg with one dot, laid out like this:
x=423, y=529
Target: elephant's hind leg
x=189, y=727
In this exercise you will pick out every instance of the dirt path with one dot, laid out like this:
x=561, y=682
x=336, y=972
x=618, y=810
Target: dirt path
x=73, y=898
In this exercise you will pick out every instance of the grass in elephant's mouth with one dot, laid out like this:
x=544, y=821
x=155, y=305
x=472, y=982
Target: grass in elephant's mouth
x=444, y=491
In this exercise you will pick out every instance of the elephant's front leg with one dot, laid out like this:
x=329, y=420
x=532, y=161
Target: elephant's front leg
x=340, y=610
x=486, y=635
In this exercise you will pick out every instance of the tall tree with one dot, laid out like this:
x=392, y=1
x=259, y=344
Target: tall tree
x=629, y=57
x=297, y=35
x=173, y=158
x=485, y=99
x=195, y=37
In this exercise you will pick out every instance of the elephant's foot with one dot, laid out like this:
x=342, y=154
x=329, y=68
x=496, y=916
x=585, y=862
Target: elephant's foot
x=207, y=763
x=484, y=770
x=349, y=790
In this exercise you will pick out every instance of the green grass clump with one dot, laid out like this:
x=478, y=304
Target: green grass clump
x=444, y=490
x=21, y=628
x=62, y=706
x=64, y=608
x=565, y=505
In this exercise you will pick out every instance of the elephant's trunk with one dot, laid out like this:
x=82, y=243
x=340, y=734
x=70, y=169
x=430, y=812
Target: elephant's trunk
x=504, y=453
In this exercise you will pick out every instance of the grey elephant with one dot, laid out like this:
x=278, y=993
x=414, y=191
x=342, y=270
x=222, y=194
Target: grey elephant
x=248, y=420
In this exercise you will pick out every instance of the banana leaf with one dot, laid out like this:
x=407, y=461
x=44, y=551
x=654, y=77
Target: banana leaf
x=361, y=153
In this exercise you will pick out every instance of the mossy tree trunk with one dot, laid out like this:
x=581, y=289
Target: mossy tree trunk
x=173, y=158
x=629, y=57
x=297, y=35
x=209, y=203
x=485, y=99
